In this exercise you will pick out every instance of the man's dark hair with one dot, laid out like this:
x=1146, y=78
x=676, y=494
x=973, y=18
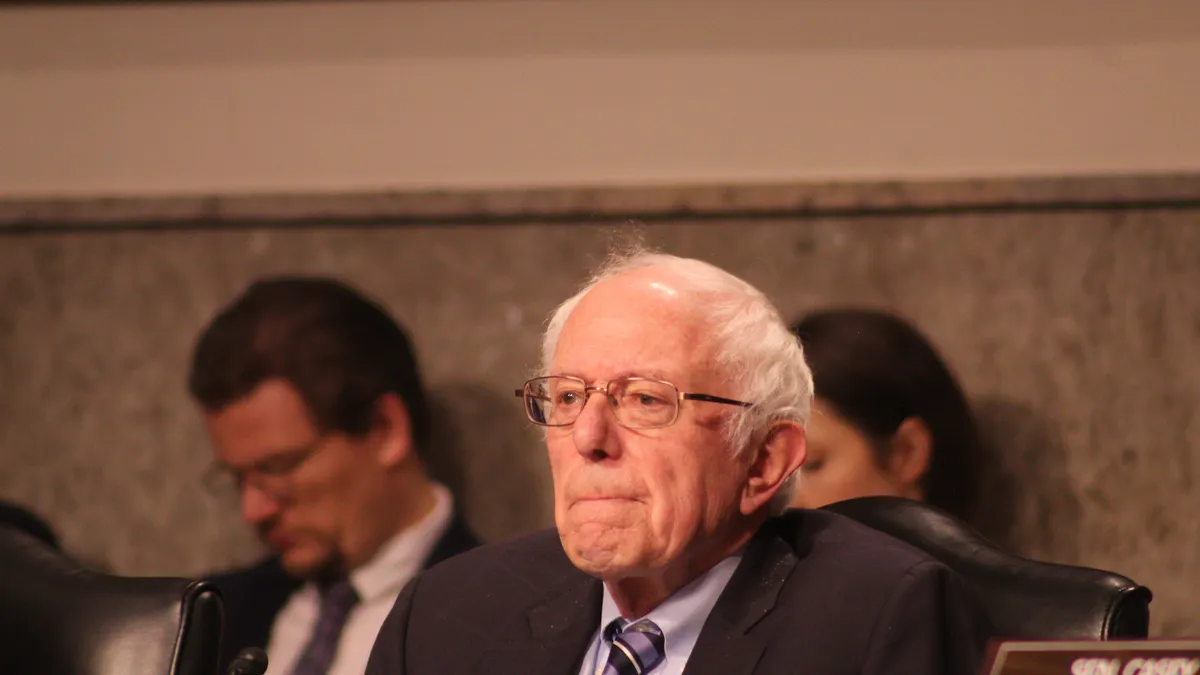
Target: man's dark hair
x=877, y=370
x=339, y=349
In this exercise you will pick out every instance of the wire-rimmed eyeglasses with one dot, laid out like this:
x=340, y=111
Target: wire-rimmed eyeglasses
x=273, y=477
x=637, y=402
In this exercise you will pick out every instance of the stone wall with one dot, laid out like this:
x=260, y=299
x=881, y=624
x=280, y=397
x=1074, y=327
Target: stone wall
x=1076, y=331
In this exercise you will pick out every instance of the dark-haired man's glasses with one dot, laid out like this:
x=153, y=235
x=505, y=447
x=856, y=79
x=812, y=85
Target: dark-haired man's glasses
x=272, y=476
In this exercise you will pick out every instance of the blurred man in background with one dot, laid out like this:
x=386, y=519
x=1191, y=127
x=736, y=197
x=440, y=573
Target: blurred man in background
x=313, y=401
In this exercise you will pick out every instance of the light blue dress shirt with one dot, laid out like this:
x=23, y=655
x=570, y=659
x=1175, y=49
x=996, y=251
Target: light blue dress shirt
x=680, y=617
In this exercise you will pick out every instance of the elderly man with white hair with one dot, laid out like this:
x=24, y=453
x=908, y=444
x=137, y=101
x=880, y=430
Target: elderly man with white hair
x=674, y=400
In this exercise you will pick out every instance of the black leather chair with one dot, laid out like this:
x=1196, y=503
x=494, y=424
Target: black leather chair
x=1025, y=599
x=22, y=518
x=57, y=618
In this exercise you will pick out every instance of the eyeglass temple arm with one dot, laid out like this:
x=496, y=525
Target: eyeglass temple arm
x=714, y=399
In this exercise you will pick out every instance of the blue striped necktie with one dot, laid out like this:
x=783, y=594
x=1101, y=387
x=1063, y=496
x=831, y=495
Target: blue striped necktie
x=636, y=648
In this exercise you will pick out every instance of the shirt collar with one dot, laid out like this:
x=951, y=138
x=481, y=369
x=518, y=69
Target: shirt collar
x=682, y=615
x=403, y=555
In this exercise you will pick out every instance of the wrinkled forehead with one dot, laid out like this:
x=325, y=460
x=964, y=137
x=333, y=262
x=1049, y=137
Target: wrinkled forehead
x=636, y=325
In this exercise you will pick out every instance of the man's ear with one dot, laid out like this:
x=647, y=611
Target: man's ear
x=391, y=433
x=777, y=457
x=910, y=450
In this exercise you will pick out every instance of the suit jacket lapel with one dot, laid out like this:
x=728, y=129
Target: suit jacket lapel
x=728, y=643
x=457, y=539
x=560, y=629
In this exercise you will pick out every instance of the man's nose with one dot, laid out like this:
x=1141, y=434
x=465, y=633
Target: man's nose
x=257, y=505
x=592, y=430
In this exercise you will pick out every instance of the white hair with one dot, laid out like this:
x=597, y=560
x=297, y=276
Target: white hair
x=761, y=358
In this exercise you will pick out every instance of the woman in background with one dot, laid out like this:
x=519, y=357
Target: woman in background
x=888, y=417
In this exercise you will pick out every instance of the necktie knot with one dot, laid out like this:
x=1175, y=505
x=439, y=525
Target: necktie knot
x=637, y=647
x=337, y=600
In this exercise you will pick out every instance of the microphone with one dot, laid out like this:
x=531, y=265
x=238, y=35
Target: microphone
x=249, y=661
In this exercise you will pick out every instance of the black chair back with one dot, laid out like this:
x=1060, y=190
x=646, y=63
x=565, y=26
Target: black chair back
x=1025, y=599
x=57, y=618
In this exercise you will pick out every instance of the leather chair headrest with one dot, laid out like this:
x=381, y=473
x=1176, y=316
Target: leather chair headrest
x=1026, y=599
x=57, y=618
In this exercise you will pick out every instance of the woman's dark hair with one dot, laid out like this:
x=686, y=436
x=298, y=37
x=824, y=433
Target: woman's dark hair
x=877, y=370
x=339, y=349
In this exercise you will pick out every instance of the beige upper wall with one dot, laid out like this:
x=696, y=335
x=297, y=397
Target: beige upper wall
x=179, y=99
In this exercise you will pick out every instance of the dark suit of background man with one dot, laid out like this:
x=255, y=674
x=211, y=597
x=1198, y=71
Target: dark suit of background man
x=312, y=398
x=674, y=411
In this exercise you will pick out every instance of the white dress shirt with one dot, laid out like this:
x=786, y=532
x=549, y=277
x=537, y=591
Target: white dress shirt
x=378, y=583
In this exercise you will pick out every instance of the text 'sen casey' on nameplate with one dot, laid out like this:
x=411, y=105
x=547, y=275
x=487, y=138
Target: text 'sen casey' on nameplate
x=1130, y=657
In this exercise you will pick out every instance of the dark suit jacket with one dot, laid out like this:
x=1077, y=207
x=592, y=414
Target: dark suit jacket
x=255, y=595
x=816, y=593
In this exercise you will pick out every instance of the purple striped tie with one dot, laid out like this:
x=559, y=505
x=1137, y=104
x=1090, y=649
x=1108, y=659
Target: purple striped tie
x=336, y=602
x=636, y=649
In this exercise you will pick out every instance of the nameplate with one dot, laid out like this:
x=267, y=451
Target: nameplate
x=1126, y=657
